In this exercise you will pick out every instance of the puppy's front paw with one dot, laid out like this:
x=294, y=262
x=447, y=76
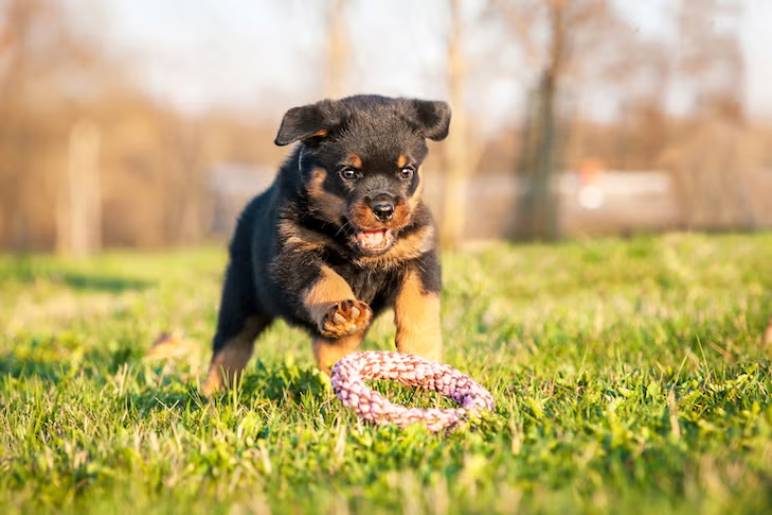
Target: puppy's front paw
x=344, y=318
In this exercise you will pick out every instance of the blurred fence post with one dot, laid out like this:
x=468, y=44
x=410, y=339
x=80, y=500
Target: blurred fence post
x=79, y=210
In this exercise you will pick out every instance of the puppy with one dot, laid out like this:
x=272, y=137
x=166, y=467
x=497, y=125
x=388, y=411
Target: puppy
x=341, y=235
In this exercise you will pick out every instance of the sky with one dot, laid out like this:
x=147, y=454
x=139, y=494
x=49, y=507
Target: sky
x=756, y=37
x=264, y=56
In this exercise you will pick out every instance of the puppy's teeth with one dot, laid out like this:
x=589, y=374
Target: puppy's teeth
x=372, y=239
x=354, y=312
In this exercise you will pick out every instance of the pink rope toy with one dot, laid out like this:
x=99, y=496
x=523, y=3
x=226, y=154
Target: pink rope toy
x=348, y=383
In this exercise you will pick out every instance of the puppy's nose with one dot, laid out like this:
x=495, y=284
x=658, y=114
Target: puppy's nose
x=383, y=209
x=382, y=205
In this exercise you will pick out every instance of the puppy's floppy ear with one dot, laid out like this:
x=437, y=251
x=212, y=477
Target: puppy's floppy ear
x=300, y=123
x=432, y=117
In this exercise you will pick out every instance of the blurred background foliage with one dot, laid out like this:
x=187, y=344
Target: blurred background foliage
x=144, y=124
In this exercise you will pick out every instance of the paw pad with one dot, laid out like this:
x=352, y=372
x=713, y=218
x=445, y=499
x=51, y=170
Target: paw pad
x=345, y=318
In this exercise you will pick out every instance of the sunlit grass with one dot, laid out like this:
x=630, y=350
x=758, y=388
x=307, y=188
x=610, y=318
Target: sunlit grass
x=629, y=376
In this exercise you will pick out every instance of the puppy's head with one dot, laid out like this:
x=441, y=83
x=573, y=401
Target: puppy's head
x=360, y=162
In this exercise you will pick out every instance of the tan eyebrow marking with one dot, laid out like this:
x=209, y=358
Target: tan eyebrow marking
x=355, y=161
x=402, y=160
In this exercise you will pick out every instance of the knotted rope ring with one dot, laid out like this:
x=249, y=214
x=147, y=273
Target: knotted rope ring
x=350, y=373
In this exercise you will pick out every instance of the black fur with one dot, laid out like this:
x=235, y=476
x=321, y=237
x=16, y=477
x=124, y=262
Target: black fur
x=267, y=276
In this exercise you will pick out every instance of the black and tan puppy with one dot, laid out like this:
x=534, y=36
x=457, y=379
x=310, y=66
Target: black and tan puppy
x=341, y=235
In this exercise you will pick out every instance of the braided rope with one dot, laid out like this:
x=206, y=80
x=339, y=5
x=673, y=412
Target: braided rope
x=348, y=383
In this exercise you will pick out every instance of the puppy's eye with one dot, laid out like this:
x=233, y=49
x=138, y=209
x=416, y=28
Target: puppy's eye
x=348, y=174
x=406, y=173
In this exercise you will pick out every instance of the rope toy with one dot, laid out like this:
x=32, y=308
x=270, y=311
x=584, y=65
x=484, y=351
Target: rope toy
x=350, y=373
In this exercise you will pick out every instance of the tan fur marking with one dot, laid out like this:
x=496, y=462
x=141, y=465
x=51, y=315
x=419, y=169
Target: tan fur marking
x=330, y=206
x=355, y=161
x=417, y=316
x=364, y=218
x=409, y=247
x=300, y=239
x=325, y=293
x=228, y=363
x=327, y=352
x=403, y=213
x=402, y=161
x=320, y=133
x=416, y=197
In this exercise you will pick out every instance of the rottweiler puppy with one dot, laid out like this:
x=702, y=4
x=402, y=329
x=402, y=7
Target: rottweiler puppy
x=341, y=235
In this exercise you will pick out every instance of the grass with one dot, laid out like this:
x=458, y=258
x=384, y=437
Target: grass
x=630, y=376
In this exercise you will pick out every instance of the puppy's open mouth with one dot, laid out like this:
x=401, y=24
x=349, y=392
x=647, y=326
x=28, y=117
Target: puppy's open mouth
x=374, y=242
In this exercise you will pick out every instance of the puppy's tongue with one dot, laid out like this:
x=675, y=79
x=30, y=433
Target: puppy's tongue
x=371, y=239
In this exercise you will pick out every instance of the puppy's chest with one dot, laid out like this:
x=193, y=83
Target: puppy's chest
x=372, y=286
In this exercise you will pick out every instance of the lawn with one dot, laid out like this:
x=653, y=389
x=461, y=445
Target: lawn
x=630, y=376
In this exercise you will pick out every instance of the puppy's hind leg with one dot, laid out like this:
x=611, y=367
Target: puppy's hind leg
x=239, y=324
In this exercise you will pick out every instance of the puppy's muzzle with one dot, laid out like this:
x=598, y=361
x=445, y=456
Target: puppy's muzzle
x=382, y=206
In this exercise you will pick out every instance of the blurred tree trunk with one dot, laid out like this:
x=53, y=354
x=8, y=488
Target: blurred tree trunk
x=338, y=52
x=79, y=212
x=713, y=158
x=14, y=138
x=187, y=185
x=40, y=57
x=538, y=166
x=584, y=39
x=457, y=157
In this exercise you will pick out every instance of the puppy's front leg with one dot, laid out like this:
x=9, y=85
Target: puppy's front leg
x=327, y=352
x=340, y=318
x=417, y=315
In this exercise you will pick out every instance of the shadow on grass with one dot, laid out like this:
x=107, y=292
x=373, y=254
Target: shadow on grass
x=26, y=270
x=277, y=382
x=50, y=371
x=104, y=283
x=96, y=364
x=152, y=399
x=282, y=381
